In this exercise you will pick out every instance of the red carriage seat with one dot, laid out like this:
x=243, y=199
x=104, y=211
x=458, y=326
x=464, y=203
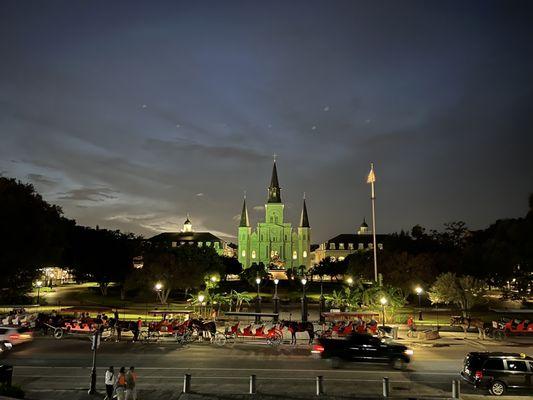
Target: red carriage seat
x=338, y=327
x=347, y=329
x=248, y=330
x=361, y=328
x=234, y=328
x=260, y=331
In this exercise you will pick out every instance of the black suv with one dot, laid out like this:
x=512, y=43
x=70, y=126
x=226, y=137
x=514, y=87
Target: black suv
x=498, y=372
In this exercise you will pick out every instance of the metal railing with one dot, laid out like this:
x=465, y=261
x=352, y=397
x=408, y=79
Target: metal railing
x=319, y=386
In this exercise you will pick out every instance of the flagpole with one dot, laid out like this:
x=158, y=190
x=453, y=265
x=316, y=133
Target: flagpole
x=372, y=179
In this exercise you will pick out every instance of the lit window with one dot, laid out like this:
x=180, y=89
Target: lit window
x=217, y=244
x=294, y=255
x=332, y=246
x=380, y=246
x=200, y=244
x=370, y=246
x=361, y=246
x=341, y=246
x=243, y=253
x=305, y=254
x=174, y=244
x=182, y=243
x=253, y=254
x=350, y=246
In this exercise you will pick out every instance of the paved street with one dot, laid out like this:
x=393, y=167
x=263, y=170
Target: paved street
x=48, y=365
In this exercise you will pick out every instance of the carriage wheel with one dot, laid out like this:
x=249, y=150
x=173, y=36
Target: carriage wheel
x=275, y=340
x=58, y=333
x=499, y=335
x=219, y=339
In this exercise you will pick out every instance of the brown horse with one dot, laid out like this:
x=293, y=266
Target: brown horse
x=466, y=323
x=294, y=326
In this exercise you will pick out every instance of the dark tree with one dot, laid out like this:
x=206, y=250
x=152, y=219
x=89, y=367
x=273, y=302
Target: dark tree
x=31, y=237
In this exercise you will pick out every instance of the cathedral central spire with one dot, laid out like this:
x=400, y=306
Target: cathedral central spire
x=245, y=222
x=274, y=191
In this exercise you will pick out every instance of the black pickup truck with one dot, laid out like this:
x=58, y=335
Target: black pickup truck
x=362, y=348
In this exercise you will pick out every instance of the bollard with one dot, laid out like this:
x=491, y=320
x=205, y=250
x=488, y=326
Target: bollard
x=252, y=384
x=186, y=383
x=386, y=388
x=319, y=385
x=456, y=389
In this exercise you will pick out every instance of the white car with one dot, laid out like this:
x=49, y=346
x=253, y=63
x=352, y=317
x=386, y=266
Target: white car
x=15, y=335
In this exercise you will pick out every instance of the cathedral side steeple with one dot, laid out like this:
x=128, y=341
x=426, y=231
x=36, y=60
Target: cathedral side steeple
x=304, y=219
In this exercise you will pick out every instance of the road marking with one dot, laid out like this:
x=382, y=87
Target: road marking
x=453, y=372
x=244, y=378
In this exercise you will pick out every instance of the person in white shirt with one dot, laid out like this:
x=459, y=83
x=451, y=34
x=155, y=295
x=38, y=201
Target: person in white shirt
x=110, y=381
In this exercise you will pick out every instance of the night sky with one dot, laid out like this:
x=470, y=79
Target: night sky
x=131, y=114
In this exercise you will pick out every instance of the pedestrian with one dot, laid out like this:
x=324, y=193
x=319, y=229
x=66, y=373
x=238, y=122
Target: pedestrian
x=110, y=381
x=119, y=331
x=131, y=381
x=120, y=387
x=410, y=326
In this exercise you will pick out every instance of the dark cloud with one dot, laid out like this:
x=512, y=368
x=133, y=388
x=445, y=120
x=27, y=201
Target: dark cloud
x=88, y=194
x=41, y=179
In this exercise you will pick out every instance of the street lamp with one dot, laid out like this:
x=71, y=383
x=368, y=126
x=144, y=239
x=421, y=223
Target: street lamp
x=419, y=291
x=349, y=281
x=258, y=301
x=158, y=289
x=304, y=301
x=383, y=302
x=38, y=284
x=276, y=298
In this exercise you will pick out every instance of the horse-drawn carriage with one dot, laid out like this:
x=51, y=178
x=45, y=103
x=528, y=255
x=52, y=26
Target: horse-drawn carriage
x=506, y=327
x=272, y=335
x=341, y=324
x=60, y=325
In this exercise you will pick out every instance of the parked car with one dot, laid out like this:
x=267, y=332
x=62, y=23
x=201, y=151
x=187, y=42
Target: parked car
x=15, y=335
x=362, y=348
x=498, y=372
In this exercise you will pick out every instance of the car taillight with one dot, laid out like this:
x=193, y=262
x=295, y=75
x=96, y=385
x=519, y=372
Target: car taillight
x=14, y=336
x=317, y=349
x=479, y=374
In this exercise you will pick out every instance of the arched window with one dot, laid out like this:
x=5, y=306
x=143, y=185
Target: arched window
x=294, y=255
x=243, y=253
x=253, y=254
x=305, y=254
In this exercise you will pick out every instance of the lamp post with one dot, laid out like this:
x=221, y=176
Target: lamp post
x=383, y=302
x=38, y=284
x=419, y=291
x=275, y=299
x=94, y=347
x=321, y=303
x=158, y=289
x=304, y=301
x=201, y=299
x=258, y=301
x=349, y=281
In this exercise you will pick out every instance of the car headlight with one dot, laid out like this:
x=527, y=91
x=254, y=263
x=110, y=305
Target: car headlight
x=409, y=352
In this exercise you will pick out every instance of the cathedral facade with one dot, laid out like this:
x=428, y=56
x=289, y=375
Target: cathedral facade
x=274, y=242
